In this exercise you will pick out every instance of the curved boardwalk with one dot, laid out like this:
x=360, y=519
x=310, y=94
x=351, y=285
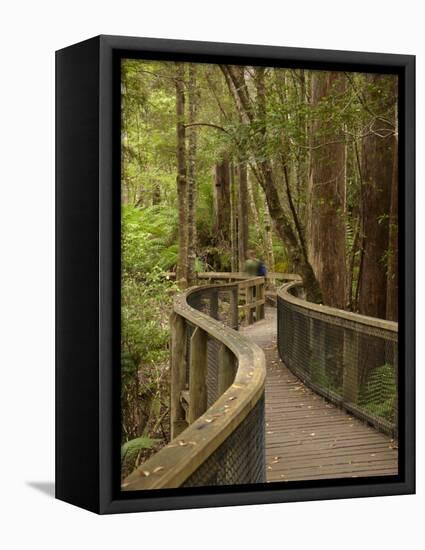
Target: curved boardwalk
x=306, y=436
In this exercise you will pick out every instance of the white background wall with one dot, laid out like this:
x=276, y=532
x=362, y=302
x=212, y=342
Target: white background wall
x=29, y=34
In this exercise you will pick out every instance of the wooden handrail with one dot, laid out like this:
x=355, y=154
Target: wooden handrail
x=238, y=276
x=337, y=316
x=177, y=461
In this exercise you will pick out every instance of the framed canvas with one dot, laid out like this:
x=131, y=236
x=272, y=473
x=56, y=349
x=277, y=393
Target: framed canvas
x=235, y=274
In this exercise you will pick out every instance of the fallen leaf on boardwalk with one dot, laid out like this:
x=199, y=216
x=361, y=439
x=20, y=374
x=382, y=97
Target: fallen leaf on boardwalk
x=269, y=432
x=312, y=433
x=125, y=485
x=282, y=475
x=274, y=461
x=144, y=473
x=182, y=443
x=232, y=397
x=158, y=469
x=276, y=458
x=209, y=420
x=269, y=468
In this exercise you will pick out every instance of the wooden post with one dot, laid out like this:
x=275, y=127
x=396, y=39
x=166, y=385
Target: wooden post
x=178, y=373
x=351, y=366
x=316, y=351
x=214, y=304
x=249, y=299
x=198, y=374
x=395, y=366
x=234, y=301
x=259, y=309
x=226, y=369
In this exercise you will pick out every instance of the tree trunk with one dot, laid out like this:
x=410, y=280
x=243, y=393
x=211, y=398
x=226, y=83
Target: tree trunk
x=392, y=266
x=327, y=197
x=243, y=215
x=191, y=176
x=377, y=176
x=268, y=230
x=234, y=222
x=222, y=201
x=182, y=262
x=252, y=208
x=156, y=194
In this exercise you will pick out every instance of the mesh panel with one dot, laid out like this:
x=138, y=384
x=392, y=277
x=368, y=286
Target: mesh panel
x=240, y=459
x=213, y=348
x=352, y=364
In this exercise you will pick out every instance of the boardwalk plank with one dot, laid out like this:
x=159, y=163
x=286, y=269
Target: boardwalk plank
x=342, y=446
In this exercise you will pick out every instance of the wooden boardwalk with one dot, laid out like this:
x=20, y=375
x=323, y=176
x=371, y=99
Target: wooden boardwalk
x=306, y=436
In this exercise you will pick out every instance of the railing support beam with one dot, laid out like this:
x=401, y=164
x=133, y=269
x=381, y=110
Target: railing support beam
x=226, y=369
x=178, y=373
x=198, y=374
x=351, y=367
x=234, y=302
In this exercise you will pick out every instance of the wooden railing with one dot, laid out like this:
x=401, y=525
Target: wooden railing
x=217, y=392
x=350, y=359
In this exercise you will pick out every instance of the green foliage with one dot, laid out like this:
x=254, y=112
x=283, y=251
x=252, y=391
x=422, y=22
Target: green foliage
x=379, y=394
x=148, y=248
x=148, y=239
x=136, y=450
x=134, y=446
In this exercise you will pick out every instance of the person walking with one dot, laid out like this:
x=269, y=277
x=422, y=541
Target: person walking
x=251, y=264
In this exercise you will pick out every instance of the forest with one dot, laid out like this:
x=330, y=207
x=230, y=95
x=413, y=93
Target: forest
x=295, y=166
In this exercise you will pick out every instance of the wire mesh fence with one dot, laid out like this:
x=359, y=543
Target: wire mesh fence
x=350, y=361
x=240, y=459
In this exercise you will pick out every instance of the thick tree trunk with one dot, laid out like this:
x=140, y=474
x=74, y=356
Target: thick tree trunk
x=327, y=197
x=182, y=262
x=377, y=176
x=191, y=176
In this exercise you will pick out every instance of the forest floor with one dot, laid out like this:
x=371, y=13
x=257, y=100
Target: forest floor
x=308, y=437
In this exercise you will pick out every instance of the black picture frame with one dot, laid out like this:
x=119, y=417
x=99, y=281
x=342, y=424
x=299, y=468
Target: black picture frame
x=88, y=273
